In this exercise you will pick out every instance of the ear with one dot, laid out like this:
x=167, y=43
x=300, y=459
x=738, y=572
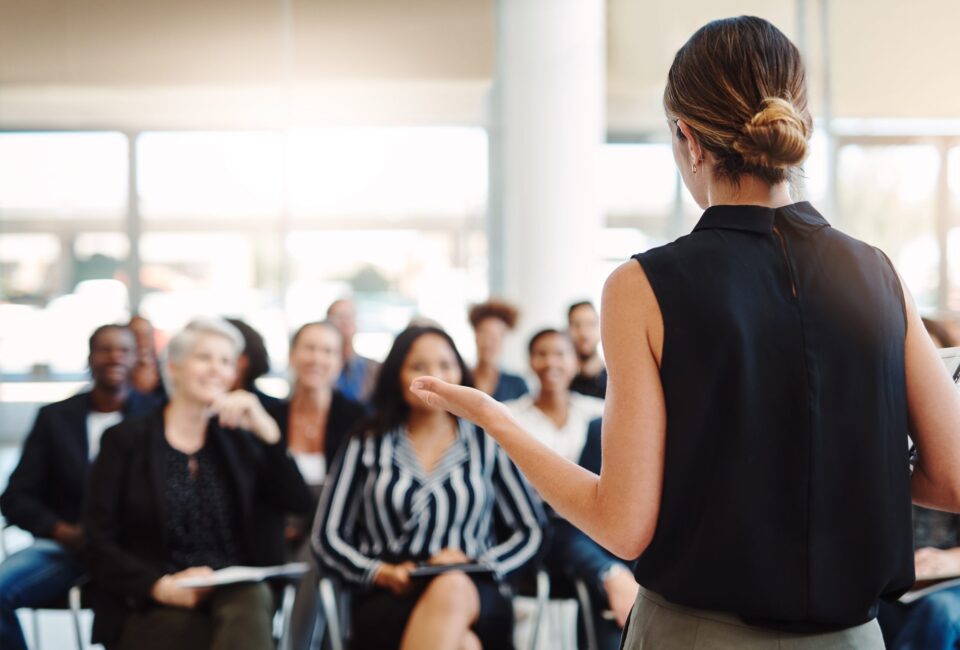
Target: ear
x=693, y=144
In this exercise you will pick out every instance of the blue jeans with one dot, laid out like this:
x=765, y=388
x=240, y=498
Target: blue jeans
x=931, y=623
x=35, y=577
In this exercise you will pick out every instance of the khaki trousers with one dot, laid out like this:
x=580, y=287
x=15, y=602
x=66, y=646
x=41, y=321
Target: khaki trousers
x=656, y=624
x=236, y=617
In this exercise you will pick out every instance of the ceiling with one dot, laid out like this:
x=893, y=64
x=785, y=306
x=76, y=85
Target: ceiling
x=253, y=63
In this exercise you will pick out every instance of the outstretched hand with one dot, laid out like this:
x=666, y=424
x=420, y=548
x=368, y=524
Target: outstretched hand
x=467, y=403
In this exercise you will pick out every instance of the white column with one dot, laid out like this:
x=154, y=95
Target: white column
x=547, y=126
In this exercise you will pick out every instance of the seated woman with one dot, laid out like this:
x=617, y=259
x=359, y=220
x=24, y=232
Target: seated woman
x=172, y=496
x=317, y=417
x=420, y=486
x=253, y=363
x=315, y=420
x=491, y=321
x=569, y=422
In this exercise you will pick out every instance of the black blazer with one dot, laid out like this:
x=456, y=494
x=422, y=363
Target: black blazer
x=126, y=540
x=344, y=415
x=48, y=483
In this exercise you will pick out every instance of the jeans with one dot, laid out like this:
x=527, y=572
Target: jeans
x=35, y=577
x=931, y=623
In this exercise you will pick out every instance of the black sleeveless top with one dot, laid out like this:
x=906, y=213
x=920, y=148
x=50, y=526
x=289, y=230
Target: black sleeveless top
x=786, y=489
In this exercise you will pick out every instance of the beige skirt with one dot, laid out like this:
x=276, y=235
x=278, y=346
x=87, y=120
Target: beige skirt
x=656, y=624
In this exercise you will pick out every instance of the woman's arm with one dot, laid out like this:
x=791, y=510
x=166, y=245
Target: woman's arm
x=333, y=528
x=619, y=508
x=934, y=405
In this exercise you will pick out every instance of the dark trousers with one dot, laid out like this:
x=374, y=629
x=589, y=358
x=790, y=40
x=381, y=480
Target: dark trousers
x=236, y=617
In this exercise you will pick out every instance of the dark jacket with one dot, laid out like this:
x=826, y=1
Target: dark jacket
x=344, y=415
x=48, y=483
x=127, y=548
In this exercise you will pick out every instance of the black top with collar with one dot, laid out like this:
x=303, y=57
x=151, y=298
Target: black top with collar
x=786, y=488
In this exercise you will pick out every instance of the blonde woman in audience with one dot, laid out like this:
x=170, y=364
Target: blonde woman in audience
x=173, y=495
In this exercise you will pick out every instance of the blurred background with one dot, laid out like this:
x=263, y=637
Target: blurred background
x=260, y=158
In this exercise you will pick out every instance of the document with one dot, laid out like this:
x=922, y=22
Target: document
x=236, y=574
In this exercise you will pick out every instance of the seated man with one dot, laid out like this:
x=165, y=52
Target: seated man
x=45, y=492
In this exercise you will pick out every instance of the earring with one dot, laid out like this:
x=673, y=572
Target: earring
x=694, y=169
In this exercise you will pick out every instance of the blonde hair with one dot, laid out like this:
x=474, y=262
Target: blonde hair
x=740, y=85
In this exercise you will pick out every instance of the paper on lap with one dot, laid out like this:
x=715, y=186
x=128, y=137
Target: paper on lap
x=237, y=574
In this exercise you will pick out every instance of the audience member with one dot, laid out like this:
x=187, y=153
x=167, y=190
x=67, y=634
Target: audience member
x=933, y=621
x=420, y=486
x=314, y=420
x=253, y=363
x=568, y=422
x=172, y=496
x=359, y=374
x=146, y=373
x=556, y=415
x=491, y=321
x=45, y=492
x=584, y=329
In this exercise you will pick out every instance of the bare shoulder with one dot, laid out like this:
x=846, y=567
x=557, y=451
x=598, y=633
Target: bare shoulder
x=630, y=306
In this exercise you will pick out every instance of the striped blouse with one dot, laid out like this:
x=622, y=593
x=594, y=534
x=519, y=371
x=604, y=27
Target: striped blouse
x=379, y=505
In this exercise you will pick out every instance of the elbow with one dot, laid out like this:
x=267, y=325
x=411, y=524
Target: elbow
x=631, y=543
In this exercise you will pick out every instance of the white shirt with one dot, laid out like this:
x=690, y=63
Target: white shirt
x=567, y=440
x=313, y=467
x=97, y=423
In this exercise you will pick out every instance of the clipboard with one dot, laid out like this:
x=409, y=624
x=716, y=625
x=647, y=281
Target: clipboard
x=431, y=570
x=951, y=359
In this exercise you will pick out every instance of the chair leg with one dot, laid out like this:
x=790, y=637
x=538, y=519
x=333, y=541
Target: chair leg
x=328, y=601
x=586, y=612
x=35, y=619
x=74, y=598
x=543, y=594
x=286, y=616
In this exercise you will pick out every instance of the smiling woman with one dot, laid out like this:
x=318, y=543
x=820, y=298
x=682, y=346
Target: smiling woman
x=175, y=495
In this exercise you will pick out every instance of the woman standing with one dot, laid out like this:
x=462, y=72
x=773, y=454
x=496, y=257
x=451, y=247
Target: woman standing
x=762, y=374
x=421, y=486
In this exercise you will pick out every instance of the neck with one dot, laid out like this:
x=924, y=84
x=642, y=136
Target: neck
x=749, y=191
x=348, y=351
x=485, y=366
x=590, y=365
x=429, y=422
x=553, y=398
x=107, y=399
x=314, y=399
x=185, y=418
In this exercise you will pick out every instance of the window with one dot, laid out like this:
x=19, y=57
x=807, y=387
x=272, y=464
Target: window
x=209, y=174
x=63, y=175
x=887, y=197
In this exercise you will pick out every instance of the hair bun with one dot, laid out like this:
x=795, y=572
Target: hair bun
x=775, y=137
